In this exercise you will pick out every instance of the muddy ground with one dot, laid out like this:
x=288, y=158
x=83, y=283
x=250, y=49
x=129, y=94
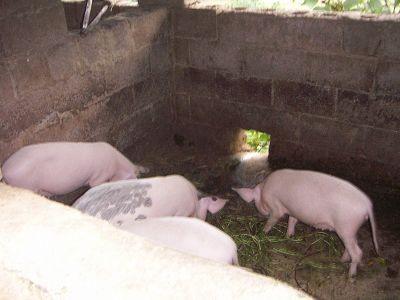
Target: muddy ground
x=311, y=259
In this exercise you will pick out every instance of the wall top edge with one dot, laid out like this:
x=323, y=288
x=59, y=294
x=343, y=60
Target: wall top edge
x=221, y=9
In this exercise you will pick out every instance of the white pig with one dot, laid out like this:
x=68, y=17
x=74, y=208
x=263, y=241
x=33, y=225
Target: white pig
x=317, y=199
x=144, y=198
x=187, y=235
x=62, y=167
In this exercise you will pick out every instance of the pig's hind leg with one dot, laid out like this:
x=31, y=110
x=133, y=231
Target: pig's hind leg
x=291, y=224
x=346, y=256
x=353, y=251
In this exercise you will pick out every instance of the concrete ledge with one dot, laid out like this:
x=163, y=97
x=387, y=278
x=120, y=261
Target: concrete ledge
x=48, y=250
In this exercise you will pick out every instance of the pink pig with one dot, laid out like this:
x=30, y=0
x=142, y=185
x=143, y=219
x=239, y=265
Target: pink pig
x=138, y=199
x=317, y=199
x=62, y=167
x=189, y=235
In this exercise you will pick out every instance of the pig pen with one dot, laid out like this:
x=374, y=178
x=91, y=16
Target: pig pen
x=172, y=86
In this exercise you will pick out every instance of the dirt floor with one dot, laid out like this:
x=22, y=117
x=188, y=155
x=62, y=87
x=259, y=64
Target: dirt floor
x=311, y=259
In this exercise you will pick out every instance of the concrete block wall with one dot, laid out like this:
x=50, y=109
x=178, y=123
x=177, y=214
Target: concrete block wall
x=112, y=84
x=325, y=86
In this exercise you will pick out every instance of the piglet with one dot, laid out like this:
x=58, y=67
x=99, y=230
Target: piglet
x=62, y=167
x=317, y=199
x=144, y=198
x=189, y=235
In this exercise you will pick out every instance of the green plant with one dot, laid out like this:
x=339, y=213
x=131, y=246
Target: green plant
x=257, y=140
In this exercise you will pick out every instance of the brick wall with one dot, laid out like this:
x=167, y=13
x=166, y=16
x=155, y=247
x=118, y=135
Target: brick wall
x=112, y=84
x=325, y=86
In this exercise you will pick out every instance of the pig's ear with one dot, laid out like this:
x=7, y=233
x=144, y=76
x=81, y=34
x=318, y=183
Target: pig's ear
x=213, y=204
x=247, y=194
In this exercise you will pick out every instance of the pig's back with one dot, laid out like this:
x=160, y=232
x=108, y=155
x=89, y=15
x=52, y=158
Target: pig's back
x=188, y=235
x=138, y=199
x=58, y=166
x=309, y=193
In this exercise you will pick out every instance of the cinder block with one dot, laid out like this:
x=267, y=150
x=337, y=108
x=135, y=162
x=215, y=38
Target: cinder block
x=195, y=81
x=118, y=36
x=168, y=3
x=30, y=73
x=195, y=24
x=317, y=69
x=132, y=67
x=121, y=103
x=383, y=146
x=362, y=37
x=273, y=64
x=380, y=111
x=9, y=104
x=162, y=115
x=300, y=97
x=236, y=27
x=160, y=60
x=250, y=91
x=341, y=71
x=148, y=27
x=23, y=34
x=281, y=32
x=8, y=94
x=134, y=129
x=391, y=40
x=181, y=49
x=286, y=154
x=202, y=110
x=9, y=7
x=331, y=134
x=216, y=56
x=388, y=78
x=227, y=114
x=313, y=34
x=381, y=174
x=64, y=60
x=152, y=89
x=182, y=103
x=95, y=49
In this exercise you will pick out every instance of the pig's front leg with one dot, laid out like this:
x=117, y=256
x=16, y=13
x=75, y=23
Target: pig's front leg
x=291, y=224
x=273, y=219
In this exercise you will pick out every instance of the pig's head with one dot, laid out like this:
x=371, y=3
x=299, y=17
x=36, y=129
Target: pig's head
x=253, y=194
x=132, y=173
x=211, y=203
x=141, y=170
x=249, y=194
x=136, y=170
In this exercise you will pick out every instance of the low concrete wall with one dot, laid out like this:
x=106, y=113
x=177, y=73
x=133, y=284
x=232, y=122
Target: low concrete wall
x=51, y=251
x=325, y=86
x=112, y=84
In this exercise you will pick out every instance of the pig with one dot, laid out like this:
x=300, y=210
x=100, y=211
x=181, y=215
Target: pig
x=189, y=235
x=138, y=199
x=59, y=168
x=317, y=199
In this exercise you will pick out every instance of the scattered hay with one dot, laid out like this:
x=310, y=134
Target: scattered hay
x=316, y=250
